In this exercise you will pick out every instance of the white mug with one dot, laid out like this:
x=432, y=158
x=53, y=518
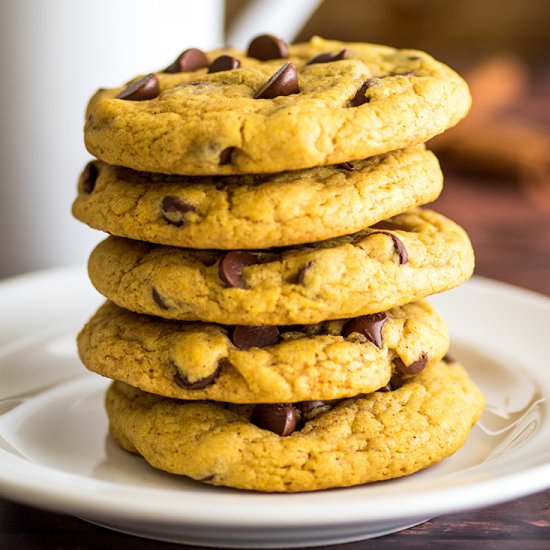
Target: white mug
x=55, y=54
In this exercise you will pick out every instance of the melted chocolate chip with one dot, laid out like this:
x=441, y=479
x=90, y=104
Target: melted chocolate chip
x=283, y=82
x=369, y=325
x=145, y=88
x=89, y=177
x=207, y=258
x=360, y=98
x=347, y=166
x=174, y=209
x=181, y=380
x=224, y=63
x=329, y=57
x=415, y=367
x=189, y=60
x=231, y=266
x=267, y=46
x=400, y=249
x=254, y=337
x=208, y=478
x=280, y=418
x=158, y=299
x=398, y=246
x=225, y=155
x=302, y=273
x=385, y=388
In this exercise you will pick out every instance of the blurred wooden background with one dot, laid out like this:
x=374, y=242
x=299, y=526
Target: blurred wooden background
x=448, y=29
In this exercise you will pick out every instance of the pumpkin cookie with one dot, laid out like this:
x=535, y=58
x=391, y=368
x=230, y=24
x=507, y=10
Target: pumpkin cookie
x=301, y=446
x=275, y=108
x=256, y=211
x=395, y=262
x=264, y=364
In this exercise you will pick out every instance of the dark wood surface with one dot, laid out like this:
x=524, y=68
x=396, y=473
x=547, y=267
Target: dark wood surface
x=511, y=235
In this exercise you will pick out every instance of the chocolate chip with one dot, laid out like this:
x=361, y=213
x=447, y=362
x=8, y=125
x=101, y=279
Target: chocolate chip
x=225, y=155
x=415, y=367
x=181, y=380
x=302, y=273
x=207, y=257
x=280, y=418
x=158, y=299
x=400, y=249
x=369, y=325
x=385, y=388
x=329, y=57
x=174, y=209
x=283, y=82
x=254, y=337
x=89, y=177
x=267, y=46
x=347, y=166
x=189, y=60
x=208, y=478
x=360, y=98
x=449, y=359
x=398, y=246
x=224, y=63
x=146, y=87
x=231, y=266
x=385, y=224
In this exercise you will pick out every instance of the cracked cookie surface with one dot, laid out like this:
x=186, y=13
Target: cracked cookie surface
x=404, y=259
x=377, y=100
x=331, y=360
x=380, y=436
x=256, y=211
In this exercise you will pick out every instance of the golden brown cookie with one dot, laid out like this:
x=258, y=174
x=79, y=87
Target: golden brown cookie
x=413, y=255
x=380, y=436
x=264, y=364
x=275, y=110
x=256, y=211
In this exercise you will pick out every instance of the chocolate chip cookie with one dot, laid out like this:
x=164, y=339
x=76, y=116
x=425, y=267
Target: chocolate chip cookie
x=274, y=108
x=292, y=447
x=263, y=364
x=256, y=211
x=392, y=263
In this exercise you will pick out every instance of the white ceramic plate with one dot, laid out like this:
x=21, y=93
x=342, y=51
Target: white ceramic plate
x=55, y=452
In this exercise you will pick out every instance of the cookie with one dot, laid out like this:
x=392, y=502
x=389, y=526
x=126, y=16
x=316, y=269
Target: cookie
x=257, y=211
x=265, y=364
x=395, y=262
x=274, y=109
x=379, y=436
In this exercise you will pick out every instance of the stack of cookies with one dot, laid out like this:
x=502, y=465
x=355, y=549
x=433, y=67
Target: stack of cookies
x=268, y=262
